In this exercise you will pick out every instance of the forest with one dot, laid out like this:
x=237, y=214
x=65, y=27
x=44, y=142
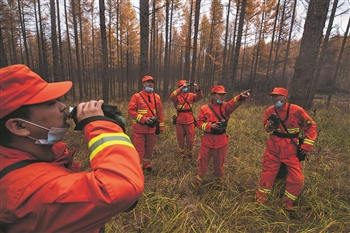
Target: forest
x=104, y=47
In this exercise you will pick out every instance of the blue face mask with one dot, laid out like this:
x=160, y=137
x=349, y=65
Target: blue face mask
x=185, y=89
x=279, y=104
x=219, y=101
x=149, y=89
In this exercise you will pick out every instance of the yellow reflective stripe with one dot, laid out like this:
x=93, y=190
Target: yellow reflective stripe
x=204, y=126
x=104, y=140
x=134, y=121
x=308, y=141
x=180, y=106
x=142, y=111
x=154, y=110
x=262, y=190
x=138, y=118
x=175, y=93
x=161, y=124
x=141, y=165
x=146, y=160
x=199, y=178
x=235, y=99
x=291, y=196
x=293, y=130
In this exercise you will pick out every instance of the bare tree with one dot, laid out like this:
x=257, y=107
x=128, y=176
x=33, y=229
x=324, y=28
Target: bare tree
x=144, y=40
x=55, y=58
x=105, y=83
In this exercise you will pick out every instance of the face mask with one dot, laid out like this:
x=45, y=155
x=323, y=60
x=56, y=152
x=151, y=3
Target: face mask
x=149, y=89
x=219, y=101
x=54, y=135
x=185, y=89
x=279, y=103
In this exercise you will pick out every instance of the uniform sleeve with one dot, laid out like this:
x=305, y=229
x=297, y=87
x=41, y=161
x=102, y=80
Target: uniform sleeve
x=233, y=104
x=87, y=200
x=198, y=96
x=202, y=124
x=308, y=131
x=174, y=95
x=133, y=111
x=160, y=113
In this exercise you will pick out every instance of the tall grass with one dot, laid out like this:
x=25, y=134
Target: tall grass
x=171, y=203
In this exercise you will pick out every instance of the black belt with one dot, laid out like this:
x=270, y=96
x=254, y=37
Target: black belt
x=285, y=135
x=186, y=110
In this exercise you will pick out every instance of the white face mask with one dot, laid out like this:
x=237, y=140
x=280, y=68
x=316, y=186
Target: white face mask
x=219, y=101
x=279, y=103
x=54, y=135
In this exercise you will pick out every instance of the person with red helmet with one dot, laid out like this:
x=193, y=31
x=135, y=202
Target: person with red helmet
x=146, y=111
x=184, y=120
x=212, y=120
x=41, y=189
x=293, y=134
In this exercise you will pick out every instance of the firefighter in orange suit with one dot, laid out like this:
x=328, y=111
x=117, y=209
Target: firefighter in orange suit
x=212, y=120
x=42, y=189
x=183, y=102
x=292, y=130
x=146, y=111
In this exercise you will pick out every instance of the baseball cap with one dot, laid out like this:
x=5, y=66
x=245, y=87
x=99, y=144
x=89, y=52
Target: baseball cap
x=147, y=78
x=181, y=82
x=279, y=91
x=21, y=86
x=220, y=89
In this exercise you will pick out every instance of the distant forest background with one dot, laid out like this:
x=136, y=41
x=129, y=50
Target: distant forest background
x=105, y=46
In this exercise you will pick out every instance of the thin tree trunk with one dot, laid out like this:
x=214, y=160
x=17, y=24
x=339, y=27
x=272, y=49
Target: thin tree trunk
x=338, y=64
x=144, y=38
x=224, y=60
x=195, y=39
x=24, y=35
x=77, y=53
x=55, y=58
x=104, y=51
x=70, y=59
x=3, y=57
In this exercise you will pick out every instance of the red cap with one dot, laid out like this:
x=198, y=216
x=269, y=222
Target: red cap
x=21, y=86
x=218, y=89
x=147, y=78
x=181, y=82
x=279, y=91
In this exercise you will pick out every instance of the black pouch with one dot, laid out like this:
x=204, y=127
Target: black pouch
x=301, y=156
x=174, y=119
x=157, y=128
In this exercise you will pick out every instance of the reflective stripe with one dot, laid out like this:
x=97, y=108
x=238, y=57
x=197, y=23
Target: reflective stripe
x=141, y=165
x=309, y=142
x=293, y=130
x=146, y=160
x=289, y=195
x=134, y=121
x=204, y=126
x=235, y=99
x=262, y=190
x=161, y=124
x=179, y=106
x=142, y=111
x=199, y=178
x=104, y=140
x=139, y=117
x=175, y=93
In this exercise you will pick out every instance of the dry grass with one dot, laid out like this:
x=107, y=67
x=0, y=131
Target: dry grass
x=170, y=203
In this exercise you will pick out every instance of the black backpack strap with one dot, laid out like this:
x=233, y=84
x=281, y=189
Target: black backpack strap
x=217, y=116
x=16, y=166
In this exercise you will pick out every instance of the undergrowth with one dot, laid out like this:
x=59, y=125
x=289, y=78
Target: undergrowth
x=171, y=203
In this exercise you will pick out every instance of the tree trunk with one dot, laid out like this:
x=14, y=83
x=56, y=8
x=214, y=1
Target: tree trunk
x=224, y=60
x=77, y=53
x=195, y=39
x=21, y=18
x=55, y=58
x=306, y=62
x=338, y=64
x=105, y=83
x=3, y=58
x=144, y=37
x=322, y=55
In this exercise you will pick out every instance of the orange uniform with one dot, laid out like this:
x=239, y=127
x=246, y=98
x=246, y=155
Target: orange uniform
x=49, y=197
x=281, y=149
x=214, y=145
x=183, y=102
x=142, y=105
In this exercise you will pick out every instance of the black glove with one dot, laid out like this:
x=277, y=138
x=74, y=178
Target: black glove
x=301, y=154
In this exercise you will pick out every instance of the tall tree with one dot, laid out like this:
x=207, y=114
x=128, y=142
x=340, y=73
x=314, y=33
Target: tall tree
x=105, y=83
x=322, y=54
x=55, y=57
x=144, y=39
x=24, y=34
x=306, y=62
x=338, y=64
x=239, y=39
x=3, y=57
x=195, y=39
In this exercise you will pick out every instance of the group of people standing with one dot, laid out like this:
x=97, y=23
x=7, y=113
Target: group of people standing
x=42, y=188
x=292, y=132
